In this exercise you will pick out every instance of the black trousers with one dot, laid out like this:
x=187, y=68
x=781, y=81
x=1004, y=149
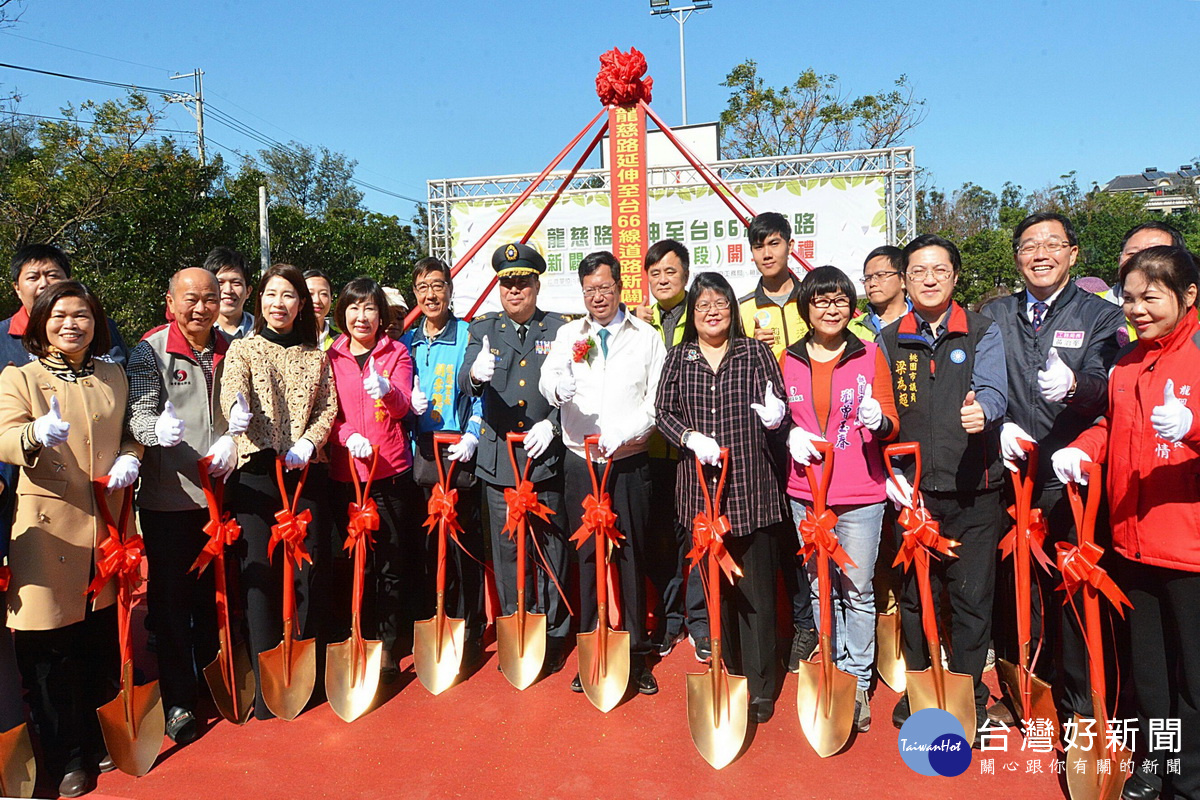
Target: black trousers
x=386, y=562
x=629, y=487
x=183, y=603
x=680, y=595
x=1166, y=667
x=541, y=596
x=974, y=520
x=253, y=496
x=69, y=672
x=749, y=636
x=795, y=578
x=464, y=574
x=12, y=707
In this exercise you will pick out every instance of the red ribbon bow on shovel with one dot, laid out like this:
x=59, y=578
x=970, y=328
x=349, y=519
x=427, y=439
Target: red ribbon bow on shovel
x=708, y=538
x=291, y=529
x=221, y=533
x=120, y=559
x=1080, y=565
x=364, y=521
x=441, y=508
x=1037, y=538
x=521, y=501
x=817, y=532
x=598, y=517
x=920, y=531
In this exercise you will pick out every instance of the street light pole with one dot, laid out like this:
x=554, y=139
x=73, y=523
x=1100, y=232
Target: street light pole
x=680, y=14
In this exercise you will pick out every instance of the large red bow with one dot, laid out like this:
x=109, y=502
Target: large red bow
x=619, y=82
x=1080, y=565
x=123, y=560
x=817, y=533
x=598, y=517
x=5, y=578
x=220, y=535
x=442, y=508
x=291, y=529
x=1037, y=538
x=708, y=538
x=521, y=501
x=920, y=531
x=364, y=518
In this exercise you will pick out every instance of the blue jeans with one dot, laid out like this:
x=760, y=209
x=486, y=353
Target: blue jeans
x=853, y=595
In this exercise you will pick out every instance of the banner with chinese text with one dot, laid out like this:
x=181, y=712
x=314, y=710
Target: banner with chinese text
x=627, y=140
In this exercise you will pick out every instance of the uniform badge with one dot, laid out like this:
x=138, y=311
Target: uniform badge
x=542, y=347
x=510, y=253
x=1069, y=339
x=958, y=356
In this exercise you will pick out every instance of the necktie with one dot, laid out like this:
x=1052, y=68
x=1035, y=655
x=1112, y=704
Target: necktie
x=521, y=331
x=604, y=333
x=1039, y=314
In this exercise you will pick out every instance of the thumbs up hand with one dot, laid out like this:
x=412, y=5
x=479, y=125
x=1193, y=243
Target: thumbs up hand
x=169, y=428
x=239, y=415
x=419, y=400
x=772, y=410
x=1055, y=379
x=870, y=412
x=971, y=414
x=484, y=365
x=374, y=384
x=50, y=429
x=1172, y=420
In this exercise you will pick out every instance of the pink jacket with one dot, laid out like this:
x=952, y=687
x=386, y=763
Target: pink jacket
x=378, y=420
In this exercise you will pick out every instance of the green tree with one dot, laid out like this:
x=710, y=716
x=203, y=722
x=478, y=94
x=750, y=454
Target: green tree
x=316, y=181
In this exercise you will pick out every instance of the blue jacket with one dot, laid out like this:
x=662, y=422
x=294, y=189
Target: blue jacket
x=436, y=363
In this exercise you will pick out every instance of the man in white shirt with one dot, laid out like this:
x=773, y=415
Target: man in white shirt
x=602, y=373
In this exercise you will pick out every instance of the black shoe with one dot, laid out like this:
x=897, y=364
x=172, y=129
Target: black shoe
x=182, y=726
x=1136, y=788
x=556, y=657
x=389, y=670
x=577, y=685
x=76, y=783
x=762, y=710
x=646, y=683
x=107, y=764
x=664, y=646
x=803, y=645
x=862, y=711
x=901, y=712
x=703, y=647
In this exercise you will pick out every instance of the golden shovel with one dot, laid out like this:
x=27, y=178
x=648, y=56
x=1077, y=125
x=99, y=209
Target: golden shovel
x=825, y=695
x=604, y=652
x=352, y=666
x=288, y=671
x=132, y=723
x=889, y=650
x=1030, y=695
x=521, y=636
x=18, y=768
x=934, y=686
x=718, y=703
x=438, y=642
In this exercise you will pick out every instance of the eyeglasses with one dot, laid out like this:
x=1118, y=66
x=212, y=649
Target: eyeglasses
x=433, y=286
x=942, y=273
x=599, y=291
x=826, y=302
x=879, y=277
x=1052, y=246
x=715, y=305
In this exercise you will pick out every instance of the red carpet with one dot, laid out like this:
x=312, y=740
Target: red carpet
x=482, y=738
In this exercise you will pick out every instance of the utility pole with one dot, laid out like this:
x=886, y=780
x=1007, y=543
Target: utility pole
x=680, y=14
x=197, y=99
x=264, y=230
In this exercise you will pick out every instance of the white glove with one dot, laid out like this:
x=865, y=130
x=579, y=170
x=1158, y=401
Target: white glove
x=484, y=365
x=566, y=386
x=123, y=473
x=359, y=445
x=610, y=441
x=419, y=400
x=1068, y=465
x=224, y=457
x=772, y=410
x=870, y=412
x=464, y=448
x=374, y=384
x=899, y=491
x=239, y=416
x=1011, y=436
x=50, y=429
x=168, y=427
x=1055, y=379
x=705, y=448
x=800, y=447
x=299, y=454
x=539, y=438
x=1172, y=420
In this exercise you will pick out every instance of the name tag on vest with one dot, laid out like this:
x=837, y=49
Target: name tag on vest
x=1072, y=339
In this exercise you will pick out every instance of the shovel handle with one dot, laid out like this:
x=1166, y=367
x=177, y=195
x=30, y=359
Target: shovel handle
x=712, y=502
x=440, y=439
x=820, y=489
x=904, y=449
x=589, y=443
x=1085, y=517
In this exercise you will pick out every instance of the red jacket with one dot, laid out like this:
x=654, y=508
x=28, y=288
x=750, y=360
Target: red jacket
x=1153, y=485
x=378, y=420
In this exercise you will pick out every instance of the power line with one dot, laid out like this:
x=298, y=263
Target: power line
x=78, y=121
x=88, y=80
x=85, y=52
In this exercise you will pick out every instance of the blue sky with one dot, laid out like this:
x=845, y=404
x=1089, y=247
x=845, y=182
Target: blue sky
x=1021, y=91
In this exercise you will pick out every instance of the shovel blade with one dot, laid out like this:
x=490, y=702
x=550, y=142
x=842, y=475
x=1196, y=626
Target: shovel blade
x=826, y=711
x=521, y=656
x=134, y=754
x=604, y=688
x=18, y=768
x=350, y=692
x=959, y=695
x=718, y=724
x=285, y=698
x=1087, y=782
x=437, y=662
x=243, y=689
x=1041, y=699
x=889, y=655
